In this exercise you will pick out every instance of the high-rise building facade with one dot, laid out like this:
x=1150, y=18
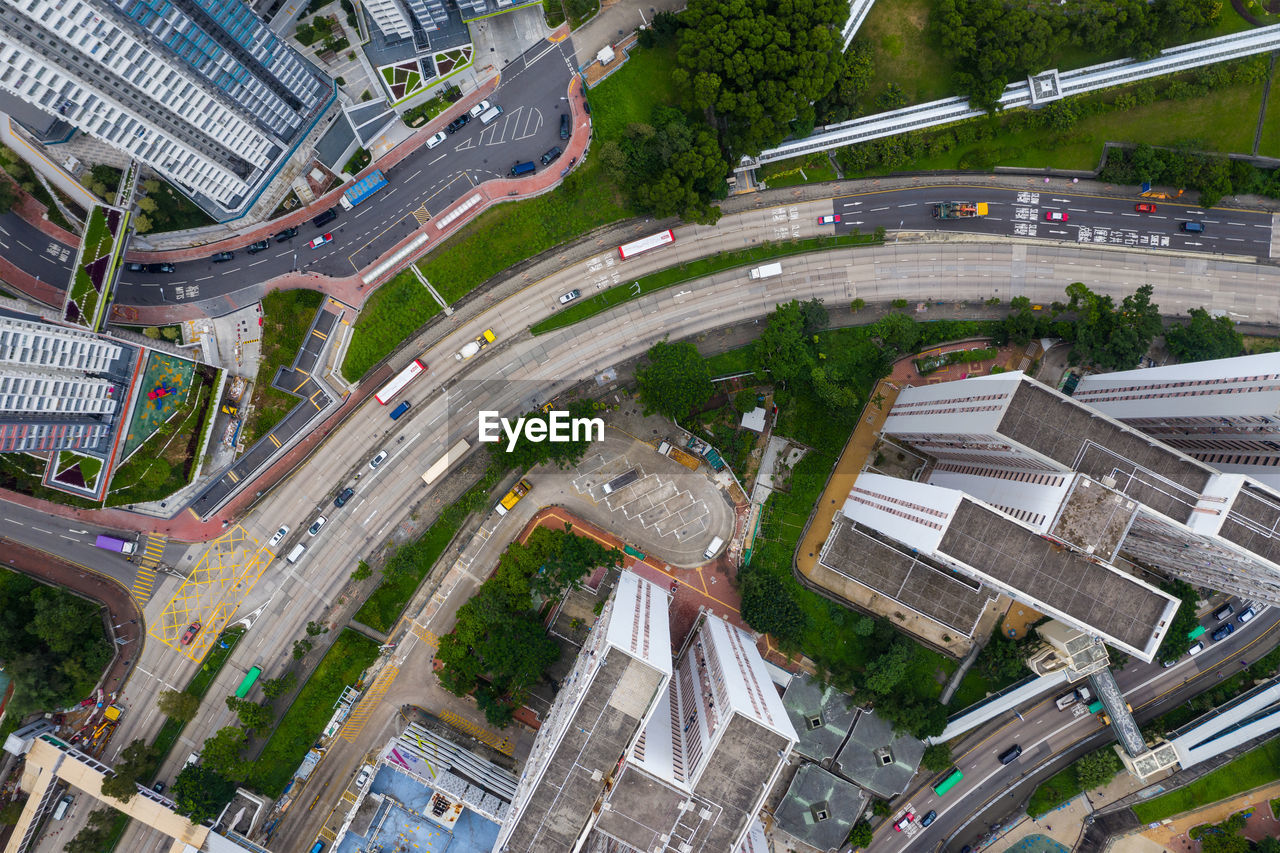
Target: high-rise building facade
x=199, y=90
x=1044, y=497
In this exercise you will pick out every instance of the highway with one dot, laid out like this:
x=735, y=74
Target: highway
x=518, y=368
x=71, y=540
x=1090, y=219
x=423, y=185
x=1050, y=738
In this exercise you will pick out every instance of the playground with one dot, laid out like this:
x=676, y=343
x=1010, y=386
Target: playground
x=166, y=385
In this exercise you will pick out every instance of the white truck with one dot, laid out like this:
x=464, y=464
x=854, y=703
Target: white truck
x=766, y=271
x=470, y=349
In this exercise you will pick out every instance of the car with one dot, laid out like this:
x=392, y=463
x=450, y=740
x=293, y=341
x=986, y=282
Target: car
x=158, y=787
x=344, y=496
x=1165, y=664
x=286, y=234
x=479, y=109
x=1055, y=216
x=190, y=634
x=1195, y=650
x=316, y=525
x=928, y=819
x=1248, y=614
x=317, y=242
x=458, y=123
x=365, y=773
x=280, y=534
x=325, y=218
x=1223, y=632
x=566, y=126
x=155, y=268
x=902, y=822
x=260, y=246
x=570, y=296
x=135, y=267
x=436, y=139
x=223, y=257
x=378, y=460
x=1145, y=208
x=552, y=155
x=1223, y=612
x=829, y=220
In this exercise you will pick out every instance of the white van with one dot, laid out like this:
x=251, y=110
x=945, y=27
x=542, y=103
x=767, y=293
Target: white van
x=297, y=552
x=1066, y=700
x=713, y=548
x=61, y=810
x=491, y=115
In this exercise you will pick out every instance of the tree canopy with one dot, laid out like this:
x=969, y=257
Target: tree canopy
x=1176, y=642
x=221, y=753
x=178, y=704
x=96, y=834
x=1109, y=338
x=675, y=381
x=201, y=793
x=1097, y=768
x=768, y=608
x=937, y=757
x=671, y=165
x=137, y=761
x=498, y=646
x=1204, y=337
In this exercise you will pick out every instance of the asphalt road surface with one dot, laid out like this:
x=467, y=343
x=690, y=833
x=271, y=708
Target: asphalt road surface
x=424, y=184
x=1089, y=220
x=30, y=249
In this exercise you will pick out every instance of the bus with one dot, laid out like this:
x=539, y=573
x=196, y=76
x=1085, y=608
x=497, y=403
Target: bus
x=644, y=244
x=436, y=471
x=953, y=779
x=250, y=679
x=403, y=378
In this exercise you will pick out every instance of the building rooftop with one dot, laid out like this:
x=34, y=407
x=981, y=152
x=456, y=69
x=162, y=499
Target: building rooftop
x=1247, y=385
x=1078, y=438
x=1094, y=518
x=1119, y=607
x=910, y=578
x=877, y=759
x=820, y=714
x=820, y=808
x=334, y=143
x=1253, y=520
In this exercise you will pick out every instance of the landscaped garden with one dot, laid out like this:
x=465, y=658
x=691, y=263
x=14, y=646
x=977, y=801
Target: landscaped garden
x=394, y=312
x=286, y=316
x=87, y=299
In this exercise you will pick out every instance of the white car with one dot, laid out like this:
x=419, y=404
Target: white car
x=378, y=460
x=1247, y=615
x=570, y=296
x=436, y=139
x=316, y=525
x=479, y=109
x=280, y=534
x=365, y=773
x=1195, y=650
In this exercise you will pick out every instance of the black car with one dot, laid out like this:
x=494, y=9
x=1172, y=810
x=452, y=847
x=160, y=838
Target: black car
x=223, y=257
x=157, y=268
x=566, y=126
x=928, y=819
x=135, y=267
x=325, y=218
x=343, y=496
x=286, y=234
x=551, y=156
x=260, y=246
x=458, y=123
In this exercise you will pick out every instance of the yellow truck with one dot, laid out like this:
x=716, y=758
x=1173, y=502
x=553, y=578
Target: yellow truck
x=513, y=497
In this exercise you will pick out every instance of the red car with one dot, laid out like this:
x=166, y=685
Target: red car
x=903, y=821
x=829, y=220
x=1145, y=208
x=320, y=241
x=190, y=633
x=1055, y=216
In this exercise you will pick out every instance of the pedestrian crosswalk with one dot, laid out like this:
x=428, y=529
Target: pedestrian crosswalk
x=422, y=215
x=148, y=561
x=360, y=714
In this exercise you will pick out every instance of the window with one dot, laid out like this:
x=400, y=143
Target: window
x=814, y=722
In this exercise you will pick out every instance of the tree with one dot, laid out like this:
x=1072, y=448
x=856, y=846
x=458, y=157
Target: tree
x=315, y=629
x=675, y=381
x=147, y=204
x=362, y=571
x=898, y=332
x=221, y=753
x=525, y=454
x=937, y=757
x=1223, y=837
x=814, y=316
x=865, y=626
x=891, y=666
x=881, y=808
x=8, y=195
x=201, y=793
x=178, y=705
x=274, y=688
x=137, y=761
x=1097, y=768
x=784, y=351
x=769, y=606
x=1176, y=640
x=301, y=647
x=1003, y=658
x=1110, y=338
x=857, y=305
x=142, y=223
x=95, y=835
x=861, y=835
x=251, y=715
x=1204, y=338
x=745, y=400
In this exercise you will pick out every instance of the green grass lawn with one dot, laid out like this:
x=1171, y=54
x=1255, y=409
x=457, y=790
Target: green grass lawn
x=393, y=313
x=974, y=687
x=346, y=659
x=895, y=29
x=1254, y=768
x=1054, y=791
x=730, y=362
x=629, y=95
x=810, y=169
x=672, y=276
x=1269, y=144
x=286, y=316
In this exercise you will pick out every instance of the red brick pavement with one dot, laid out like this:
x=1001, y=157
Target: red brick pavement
x=121, y=606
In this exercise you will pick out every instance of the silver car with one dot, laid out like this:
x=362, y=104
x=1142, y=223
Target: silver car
x=570, y=296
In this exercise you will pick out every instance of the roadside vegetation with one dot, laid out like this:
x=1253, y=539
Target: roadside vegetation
x=165, y=209
x=286, y=316
x=392, y=315
x=1089, y=771
x=1251, y=770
